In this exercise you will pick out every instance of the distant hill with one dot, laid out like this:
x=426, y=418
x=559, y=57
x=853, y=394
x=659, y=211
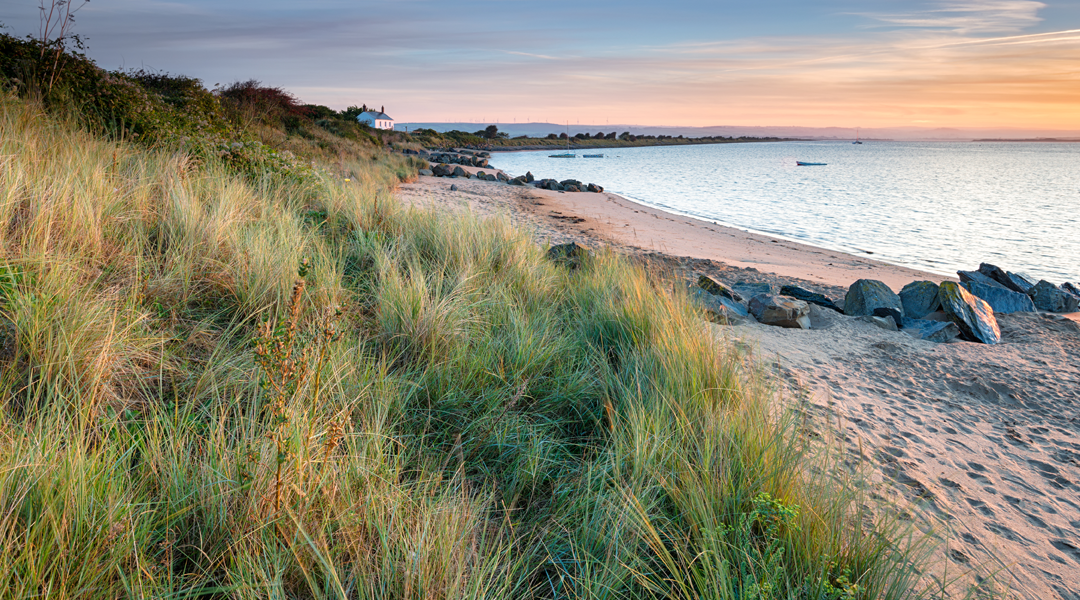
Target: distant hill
x=817, y=133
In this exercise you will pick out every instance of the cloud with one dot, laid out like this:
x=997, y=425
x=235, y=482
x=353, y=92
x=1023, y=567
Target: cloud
x=993, y=16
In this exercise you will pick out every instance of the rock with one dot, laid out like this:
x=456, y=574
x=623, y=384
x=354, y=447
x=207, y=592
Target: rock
x=1002, y=301
x=890, y=313
x=919, y=298
x=718, y=309
x=748, y=289
x=867, y=294
x=572, y=188
x=481, y=174
x=529, y=177
x=501, y=176
x=1050, y=297
x=1000, y=276
x=570, y=255
x=442, y=170
x=425, y=172
x=566, y=182
x=459, y=172
x=780, y=311
x=972, y=315
x=491, y=177
x=592, y=187
x=883, y=322
x=1021, y=281
x=453, y=187
x=966, y=276
x=517, y=181
x=807, y=296
x=1072, y=289
x=931, y=331
x=717, y=289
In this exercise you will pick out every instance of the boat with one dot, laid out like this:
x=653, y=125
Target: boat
x=809, y=164
x=592, y=156
x=568, y=153
x=857, y=137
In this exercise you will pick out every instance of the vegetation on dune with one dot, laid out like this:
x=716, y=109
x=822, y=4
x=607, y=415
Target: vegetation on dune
x=490, y=137
x=225, y=379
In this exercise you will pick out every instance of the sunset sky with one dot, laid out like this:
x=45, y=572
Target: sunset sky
x=869, y=63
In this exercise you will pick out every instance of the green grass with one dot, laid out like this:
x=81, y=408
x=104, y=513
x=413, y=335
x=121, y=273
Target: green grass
x=216, y=384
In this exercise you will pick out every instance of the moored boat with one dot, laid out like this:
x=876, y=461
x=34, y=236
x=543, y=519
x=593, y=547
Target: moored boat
x=809, y=164
x=592, y=156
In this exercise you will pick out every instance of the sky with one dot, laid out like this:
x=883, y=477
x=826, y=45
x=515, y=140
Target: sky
x=816, y=63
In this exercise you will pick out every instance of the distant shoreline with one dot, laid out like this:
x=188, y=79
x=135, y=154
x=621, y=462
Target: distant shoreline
x=1051, y=140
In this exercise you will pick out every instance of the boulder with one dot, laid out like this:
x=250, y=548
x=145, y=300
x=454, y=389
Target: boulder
x=972, y=315
x=748, y=289
x=1002, y=301
x=592, y=187
x=931, y=331
x=453, y=187
x=572, y=188
x=570, y=255
x=1072, y=289
x=885, y=323
x=529, y=177
x=1000, y=276
x=780, y=311
x=517, y=181
x=481, y=174
x=566, y=182
x=1050, y=297
x=491, y=177
x=425, y=172
x=502, y=176
x=867, y=294
x=442, y=170
x=919, y=298
x=888, y=312
x=807, y=296
x=966, y=276
x=718, y=309
x=459, y=172
x=1021, y=281
x=717, y=289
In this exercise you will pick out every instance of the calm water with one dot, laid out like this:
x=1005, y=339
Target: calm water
x=936, y=206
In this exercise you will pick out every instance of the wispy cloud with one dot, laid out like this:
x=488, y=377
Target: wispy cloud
x=992, y=16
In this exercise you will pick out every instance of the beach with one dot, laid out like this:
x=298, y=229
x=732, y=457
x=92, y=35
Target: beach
x=981, y=444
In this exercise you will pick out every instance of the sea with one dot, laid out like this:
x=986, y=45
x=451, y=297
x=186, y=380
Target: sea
x=934, y=206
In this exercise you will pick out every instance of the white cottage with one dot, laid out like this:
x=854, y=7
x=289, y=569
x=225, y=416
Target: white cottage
x=377, y=119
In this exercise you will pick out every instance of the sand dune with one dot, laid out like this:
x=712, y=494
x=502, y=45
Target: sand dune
x=982, y=440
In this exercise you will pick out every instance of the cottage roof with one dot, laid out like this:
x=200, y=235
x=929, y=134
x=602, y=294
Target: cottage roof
x=374, y=114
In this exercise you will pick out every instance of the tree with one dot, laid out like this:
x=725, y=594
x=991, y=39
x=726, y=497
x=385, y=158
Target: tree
x=491, y=132
x=54, y=31
x=611, y=136
x=552, y=136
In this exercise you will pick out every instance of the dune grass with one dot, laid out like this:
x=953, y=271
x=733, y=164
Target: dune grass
x=215, y=386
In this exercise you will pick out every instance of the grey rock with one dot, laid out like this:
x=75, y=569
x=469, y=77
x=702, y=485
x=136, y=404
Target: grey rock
x=931, y=331
x=1072, y=289
x=748, y=289
x=442, y=170
x=867, y=294
x=997, y=274
x=517, y=181
x=966, y=276
x=529, y=177
x=566, y=182
x=807, y=296
x=780, y=311
x=883, y=322
x=453, y=187
x=718, y=309
x=570, y=255
x=592, y=187
x=919, y=298
x=1050, y=297
x=1001, y=300
x=717, y=289
x=890, y=313
x=491, y=177
x=1021, y=281
x=502, y=176
x=426, y=172
x=459, y=172
x=972, y=315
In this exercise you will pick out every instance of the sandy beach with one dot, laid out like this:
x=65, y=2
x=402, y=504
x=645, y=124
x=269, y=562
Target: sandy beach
x=981, y=443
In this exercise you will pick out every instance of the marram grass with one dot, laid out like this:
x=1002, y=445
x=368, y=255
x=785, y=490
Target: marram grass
x=235, y=388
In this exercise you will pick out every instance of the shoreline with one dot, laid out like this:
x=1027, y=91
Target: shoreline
x=979, y=444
